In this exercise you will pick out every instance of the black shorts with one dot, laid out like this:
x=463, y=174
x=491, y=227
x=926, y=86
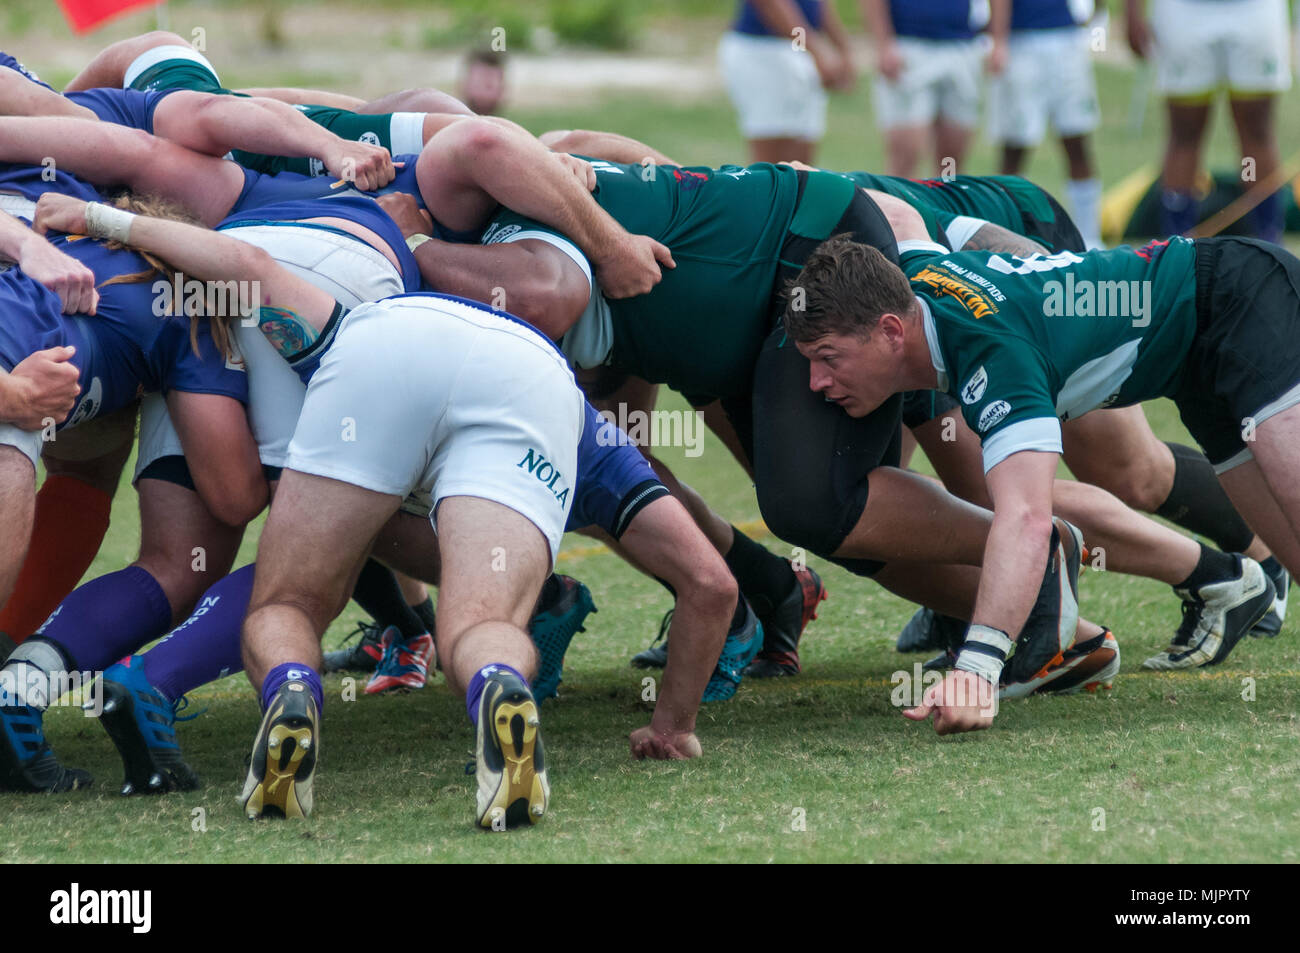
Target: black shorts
x=174, y=469
x=811, y=459
x=1245, y=361
x=922, y=406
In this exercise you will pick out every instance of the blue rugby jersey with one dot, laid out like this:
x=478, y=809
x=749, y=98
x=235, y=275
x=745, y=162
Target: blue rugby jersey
x=938, y=19
x=609, y=468
x=33, y=181
x=122, y=107
x=124, y=349
x=1049, y=14
x=17, y=67
x=748, y=20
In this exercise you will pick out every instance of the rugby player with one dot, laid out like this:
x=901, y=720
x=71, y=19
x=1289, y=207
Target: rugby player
x=1216, y=335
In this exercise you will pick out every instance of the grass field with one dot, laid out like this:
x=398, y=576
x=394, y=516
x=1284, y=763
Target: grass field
x=1165, y=768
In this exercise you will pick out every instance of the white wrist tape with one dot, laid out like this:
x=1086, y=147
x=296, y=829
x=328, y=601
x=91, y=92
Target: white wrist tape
x=104, y=221
x=984, y=652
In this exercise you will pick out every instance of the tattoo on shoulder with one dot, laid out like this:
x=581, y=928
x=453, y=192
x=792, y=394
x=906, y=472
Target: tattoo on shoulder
x=990, y=237
x=288, y=333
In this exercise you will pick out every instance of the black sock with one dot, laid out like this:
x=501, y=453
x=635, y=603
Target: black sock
x=765, y=578
x=1213, y=566
x=1198, y=502
x=742, y=612
x=550, y=590
x=379, y=594
x=426, y=613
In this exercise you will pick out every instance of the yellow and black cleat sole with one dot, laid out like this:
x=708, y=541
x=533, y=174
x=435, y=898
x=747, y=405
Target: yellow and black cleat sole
x=521, y=795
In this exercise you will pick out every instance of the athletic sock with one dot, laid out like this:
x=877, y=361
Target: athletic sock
x=70, y=522
x=551, y=589
x=764, y=577
x=109, y=617
x=1213, y=566
x=292, y=672
x=25, y=678
x=205, y=647
x=1179, y=211
x=377, y=591
x=1084, y=196
x=1197, y=502
x=479, y=681
x=425, y=611
x=740, y=615
x=1269, y=218
x=1272, y=568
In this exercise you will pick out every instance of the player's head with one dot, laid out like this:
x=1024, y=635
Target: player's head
x=484, y=84
x=851, y=312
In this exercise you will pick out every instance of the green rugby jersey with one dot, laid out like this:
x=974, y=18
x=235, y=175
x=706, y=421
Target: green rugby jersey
x=975, y=196
x=1026, y=343
x=700, y=329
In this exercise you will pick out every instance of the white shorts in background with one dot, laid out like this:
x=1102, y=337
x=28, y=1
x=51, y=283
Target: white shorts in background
x=341, y=265
x=1202, y=45
x=774, y=87
x=1048, y=79
x=426, y=394
x=939, y=78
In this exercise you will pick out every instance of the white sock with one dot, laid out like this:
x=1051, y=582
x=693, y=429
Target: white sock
x=1084, y=198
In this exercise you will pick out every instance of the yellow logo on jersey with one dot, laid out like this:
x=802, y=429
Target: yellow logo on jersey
x=973, y=300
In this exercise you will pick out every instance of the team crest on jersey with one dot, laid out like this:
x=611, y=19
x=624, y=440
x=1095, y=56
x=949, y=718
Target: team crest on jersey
x=315, y=167
x=993, y=415
x=974, y=389
x=89, y=405
x=499, y=233
x=369, y=138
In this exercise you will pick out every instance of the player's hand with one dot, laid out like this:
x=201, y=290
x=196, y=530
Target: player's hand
x=664, y=746
x=42, y=387
x=68, y=278
x=997, y=61
x=580, y=169
x=359, y=163
x=963, y=701
x=405, y=211
x=59, y=213
x=829, y=63
x=633, y=267
x=889, y=61
x=1139, y=34
x=801, y=166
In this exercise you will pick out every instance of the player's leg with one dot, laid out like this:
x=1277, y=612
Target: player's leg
x=109, y=66
x=1253, y=117
x=420, y=100
x=1188, y=120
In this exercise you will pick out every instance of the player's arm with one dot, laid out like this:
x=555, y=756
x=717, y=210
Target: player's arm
x=835, y=31
x=214, y=125
x=19, y=96
x=221, y=453
x=198, y=252
x=905, y=221
x=875, y=15
x=999, y=33
x=992, y=237
x=471, y=166
x=306, y=97
x=609, y=146
x=68, y=278
x=531, y=279
x=783, y=18
x=110, y=155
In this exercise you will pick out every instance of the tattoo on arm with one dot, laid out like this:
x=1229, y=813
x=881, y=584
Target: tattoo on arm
x=990, y=237
x=288, y=333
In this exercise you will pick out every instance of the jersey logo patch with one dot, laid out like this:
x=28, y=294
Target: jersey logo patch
x=89, y=405
x=993, y=414
x=499, y=233
x=974, y=389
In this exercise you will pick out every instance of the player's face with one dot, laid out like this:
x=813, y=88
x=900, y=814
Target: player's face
x=856, y=373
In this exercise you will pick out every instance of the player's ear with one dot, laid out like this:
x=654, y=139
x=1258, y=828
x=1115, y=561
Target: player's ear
x=890, y=327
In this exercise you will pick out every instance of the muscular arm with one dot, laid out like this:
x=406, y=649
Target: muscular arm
x=531, y=279
x=203, y=254
x=991, y=237
x=306, y=97
x=609, y=146
x=72, y=281
x=471, y=166
x=1016, y=553
x=19, y=96
x=214, y=125
x=905, y=221
x=109, y=155
x=221, y=453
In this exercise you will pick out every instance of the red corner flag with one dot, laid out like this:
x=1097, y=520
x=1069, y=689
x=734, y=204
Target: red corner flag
x=87, y=14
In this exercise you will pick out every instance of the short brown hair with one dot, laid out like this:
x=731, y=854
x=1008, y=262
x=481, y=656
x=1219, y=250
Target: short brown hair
x=844, y=288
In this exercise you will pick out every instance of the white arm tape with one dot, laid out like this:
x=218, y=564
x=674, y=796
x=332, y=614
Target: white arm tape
x=984, y=652
x=104, y=221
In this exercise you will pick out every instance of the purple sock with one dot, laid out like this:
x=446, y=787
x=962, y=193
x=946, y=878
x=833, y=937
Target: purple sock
x=1269, y=218
x=205, y=647
x=477, y=684
x=108, y=618
x=292, y=672
x=1179, y=211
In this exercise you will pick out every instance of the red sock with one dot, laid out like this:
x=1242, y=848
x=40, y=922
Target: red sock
x=71, y=520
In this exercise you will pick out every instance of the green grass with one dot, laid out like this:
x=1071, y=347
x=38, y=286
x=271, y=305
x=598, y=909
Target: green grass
x=1184, y=768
